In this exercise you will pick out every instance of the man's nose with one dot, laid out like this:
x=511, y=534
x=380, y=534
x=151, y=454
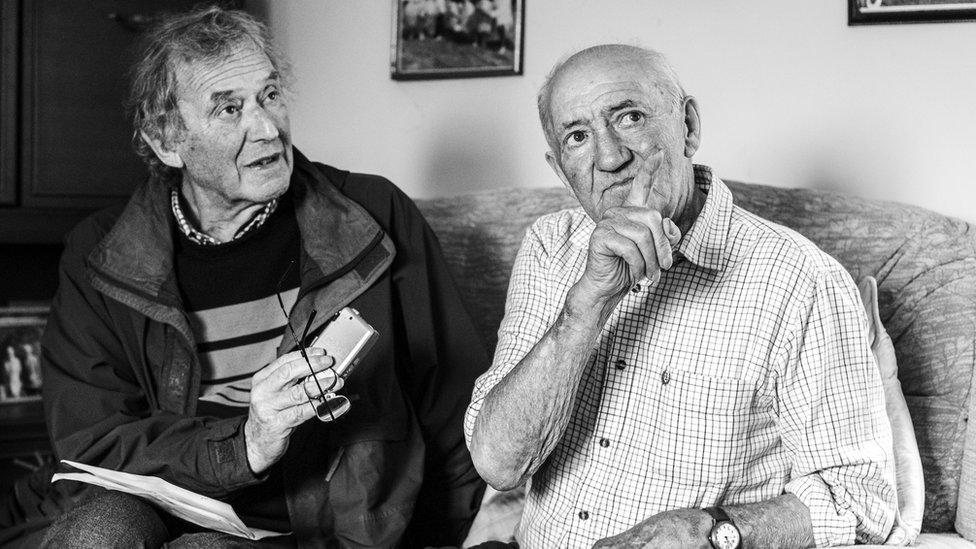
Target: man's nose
x=611, y=153
x=261, y=125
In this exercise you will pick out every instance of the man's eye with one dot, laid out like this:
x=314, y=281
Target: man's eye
x=273, y=95
x=631, y=118
x=575, y=138
x=230, y=109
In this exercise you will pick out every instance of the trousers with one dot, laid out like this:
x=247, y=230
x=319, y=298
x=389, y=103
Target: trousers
x=112, y=519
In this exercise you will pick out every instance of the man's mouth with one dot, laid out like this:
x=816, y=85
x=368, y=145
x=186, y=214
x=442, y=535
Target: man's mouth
x=264, y=161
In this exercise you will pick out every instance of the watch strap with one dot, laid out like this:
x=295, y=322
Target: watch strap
x=718, y=517
x=718, y=514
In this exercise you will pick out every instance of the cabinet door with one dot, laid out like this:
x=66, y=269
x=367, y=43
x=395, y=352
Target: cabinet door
x=9, y=27
x=77, y=149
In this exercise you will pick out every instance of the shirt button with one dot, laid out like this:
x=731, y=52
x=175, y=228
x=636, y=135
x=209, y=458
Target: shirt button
x=604, y=442
x=620, y=364
x=665, y=377
x=583, y=515
x=636, y=289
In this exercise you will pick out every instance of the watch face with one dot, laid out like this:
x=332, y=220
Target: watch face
x=725, y=536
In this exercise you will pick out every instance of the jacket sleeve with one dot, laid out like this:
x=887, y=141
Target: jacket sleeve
x=100, y=407
x=446, y=355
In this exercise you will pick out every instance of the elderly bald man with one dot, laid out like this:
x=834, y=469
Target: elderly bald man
x=672, y=370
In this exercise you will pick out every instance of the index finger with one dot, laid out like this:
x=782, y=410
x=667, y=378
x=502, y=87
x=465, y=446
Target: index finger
x=640, y=189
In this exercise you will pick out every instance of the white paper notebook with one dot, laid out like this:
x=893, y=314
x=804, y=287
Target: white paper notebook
x=180, y=502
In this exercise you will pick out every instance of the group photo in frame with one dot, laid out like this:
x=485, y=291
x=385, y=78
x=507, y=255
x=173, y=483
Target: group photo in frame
x=20, y=353
x=456, y=38
x=869, y=12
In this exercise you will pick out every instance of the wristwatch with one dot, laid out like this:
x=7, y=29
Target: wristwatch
x=725, y=534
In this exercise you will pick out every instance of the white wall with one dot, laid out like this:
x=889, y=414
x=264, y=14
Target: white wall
x=790, y=96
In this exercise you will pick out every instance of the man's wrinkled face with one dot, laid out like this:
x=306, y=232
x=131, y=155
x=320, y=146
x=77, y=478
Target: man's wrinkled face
x=236, y=146
x=609, y=113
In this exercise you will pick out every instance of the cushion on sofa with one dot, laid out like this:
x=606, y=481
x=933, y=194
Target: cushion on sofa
x=927, y=541
x=909, y=480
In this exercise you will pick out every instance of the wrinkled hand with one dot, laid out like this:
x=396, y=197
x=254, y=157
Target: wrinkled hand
x=677, y=529
x=631, y=242
x=279, y=405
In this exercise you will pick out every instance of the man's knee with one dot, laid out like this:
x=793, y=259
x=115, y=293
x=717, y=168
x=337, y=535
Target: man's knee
x=108, y=519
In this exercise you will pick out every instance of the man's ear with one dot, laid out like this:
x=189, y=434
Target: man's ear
x=164, y=151
x=692, y=126
x=554, y=164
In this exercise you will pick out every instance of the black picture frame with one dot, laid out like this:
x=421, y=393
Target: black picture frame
x=873, y=12
x=456, y=38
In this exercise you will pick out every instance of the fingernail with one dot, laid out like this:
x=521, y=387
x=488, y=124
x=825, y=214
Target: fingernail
x=669, y=226
x=671, y=231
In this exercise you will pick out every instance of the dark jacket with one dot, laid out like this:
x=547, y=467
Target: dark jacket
x=121, y=377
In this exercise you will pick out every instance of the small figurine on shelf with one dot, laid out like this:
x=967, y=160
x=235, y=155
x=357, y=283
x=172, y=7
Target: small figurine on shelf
x=12, y=367
x=32, y=363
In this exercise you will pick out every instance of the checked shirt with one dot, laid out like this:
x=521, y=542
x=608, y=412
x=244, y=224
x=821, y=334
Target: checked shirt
x=745, y=374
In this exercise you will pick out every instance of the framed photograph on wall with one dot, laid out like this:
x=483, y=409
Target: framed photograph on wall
x=20, y=353
x=869, y=12
x=456, y=38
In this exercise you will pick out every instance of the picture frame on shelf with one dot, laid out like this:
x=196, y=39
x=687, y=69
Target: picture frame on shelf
x=870, y=12
x=456, y=38
x=21, y=327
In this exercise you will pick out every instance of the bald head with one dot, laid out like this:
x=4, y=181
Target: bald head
x=588, y=64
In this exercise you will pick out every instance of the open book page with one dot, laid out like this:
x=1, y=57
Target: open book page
x=180, y=502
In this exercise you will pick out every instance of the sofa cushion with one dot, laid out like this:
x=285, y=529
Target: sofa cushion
x=927, y=541
x=909, y=479
x=925, y=264
x=480, y=234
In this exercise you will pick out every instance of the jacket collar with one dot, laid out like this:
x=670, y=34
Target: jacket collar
x=136, y=255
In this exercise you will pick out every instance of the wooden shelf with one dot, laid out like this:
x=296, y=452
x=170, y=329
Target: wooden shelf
x=22, y=429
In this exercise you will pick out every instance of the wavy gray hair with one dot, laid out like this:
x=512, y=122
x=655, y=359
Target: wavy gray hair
x=205, y=34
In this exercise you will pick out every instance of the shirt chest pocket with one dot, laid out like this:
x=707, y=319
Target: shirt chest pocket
x=702, y=432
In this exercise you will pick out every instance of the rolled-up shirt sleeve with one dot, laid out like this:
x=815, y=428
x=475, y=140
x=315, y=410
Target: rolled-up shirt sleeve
x=530, y=311
x=832, y=410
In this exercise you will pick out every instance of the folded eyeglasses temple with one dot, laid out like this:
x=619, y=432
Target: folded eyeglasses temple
x=299, y=342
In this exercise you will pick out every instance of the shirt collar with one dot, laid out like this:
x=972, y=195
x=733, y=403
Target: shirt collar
x=705, y=243
x=202, y=238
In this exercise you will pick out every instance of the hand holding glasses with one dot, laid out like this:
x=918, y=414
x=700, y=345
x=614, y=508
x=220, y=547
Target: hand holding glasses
x=327, y=404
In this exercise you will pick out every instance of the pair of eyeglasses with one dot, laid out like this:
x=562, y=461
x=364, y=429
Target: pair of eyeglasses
x=327, y=404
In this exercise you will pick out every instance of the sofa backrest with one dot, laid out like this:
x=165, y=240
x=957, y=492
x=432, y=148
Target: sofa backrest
x=925, y=264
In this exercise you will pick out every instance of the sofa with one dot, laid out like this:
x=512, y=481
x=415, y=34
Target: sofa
x=925, y=266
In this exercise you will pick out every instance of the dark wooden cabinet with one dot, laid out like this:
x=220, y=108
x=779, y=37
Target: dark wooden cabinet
x=9, y=17
x=24, y=442
x=75, y=136
x=65, y=144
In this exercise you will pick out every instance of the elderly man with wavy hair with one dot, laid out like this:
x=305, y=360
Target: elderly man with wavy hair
x=171, y=350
